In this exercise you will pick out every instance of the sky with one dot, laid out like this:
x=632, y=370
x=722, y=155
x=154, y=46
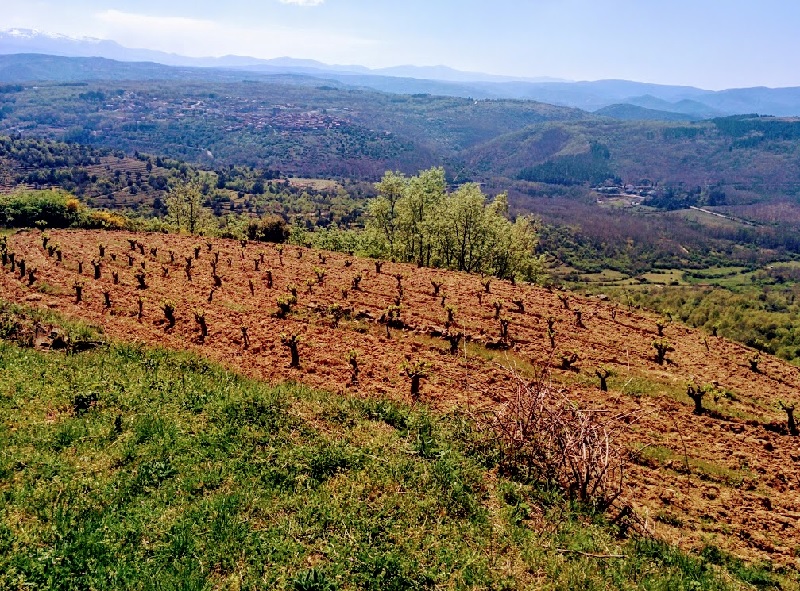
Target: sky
x=712, y=44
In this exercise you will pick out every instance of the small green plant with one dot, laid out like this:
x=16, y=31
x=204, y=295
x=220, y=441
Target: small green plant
x=392, y=316
x=291, y=342
x=292, y=289
x=416, y=372
x=662, y=347
x=455, y=340
x=487, y=285
x=285, y=304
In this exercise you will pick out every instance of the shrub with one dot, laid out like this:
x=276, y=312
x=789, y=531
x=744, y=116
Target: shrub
x=662, y=347
x=23, y=209
x=270, y=228
x=103, y=220
x=416, y=371
x=285, y=304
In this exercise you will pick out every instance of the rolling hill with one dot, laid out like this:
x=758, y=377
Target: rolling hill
x=724, y=476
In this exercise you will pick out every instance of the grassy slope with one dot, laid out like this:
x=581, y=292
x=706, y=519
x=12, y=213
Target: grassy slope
x=209, y=480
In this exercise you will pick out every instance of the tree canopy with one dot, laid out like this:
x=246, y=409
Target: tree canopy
x=416, y=219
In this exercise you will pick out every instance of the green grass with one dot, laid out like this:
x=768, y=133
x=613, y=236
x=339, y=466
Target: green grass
x=184, y=476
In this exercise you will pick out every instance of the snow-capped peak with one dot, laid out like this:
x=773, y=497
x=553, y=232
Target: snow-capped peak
x=32, y=34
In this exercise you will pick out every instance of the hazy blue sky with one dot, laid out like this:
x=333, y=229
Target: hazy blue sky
x=707, y=43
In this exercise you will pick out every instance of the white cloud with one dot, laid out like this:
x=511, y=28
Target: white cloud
x=303, y=2
x=130, y=20
x=203, y=37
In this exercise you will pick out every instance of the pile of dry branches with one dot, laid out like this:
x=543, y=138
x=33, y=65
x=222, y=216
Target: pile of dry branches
x=544, y=437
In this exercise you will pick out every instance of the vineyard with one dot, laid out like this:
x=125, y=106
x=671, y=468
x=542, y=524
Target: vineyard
x=727, y=472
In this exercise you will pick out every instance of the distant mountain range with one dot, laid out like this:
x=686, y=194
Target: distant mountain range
x=641, y=101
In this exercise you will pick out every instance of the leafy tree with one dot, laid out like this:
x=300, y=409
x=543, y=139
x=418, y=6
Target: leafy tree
x=415, y=219
x=185, y=207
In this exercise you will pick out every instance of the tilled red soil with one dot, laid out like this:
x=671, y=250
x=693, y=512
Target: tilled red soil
x=742, y=489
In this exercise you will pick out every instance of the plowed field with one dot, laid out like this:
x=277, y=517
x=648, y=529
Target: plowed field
x=741, y=490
